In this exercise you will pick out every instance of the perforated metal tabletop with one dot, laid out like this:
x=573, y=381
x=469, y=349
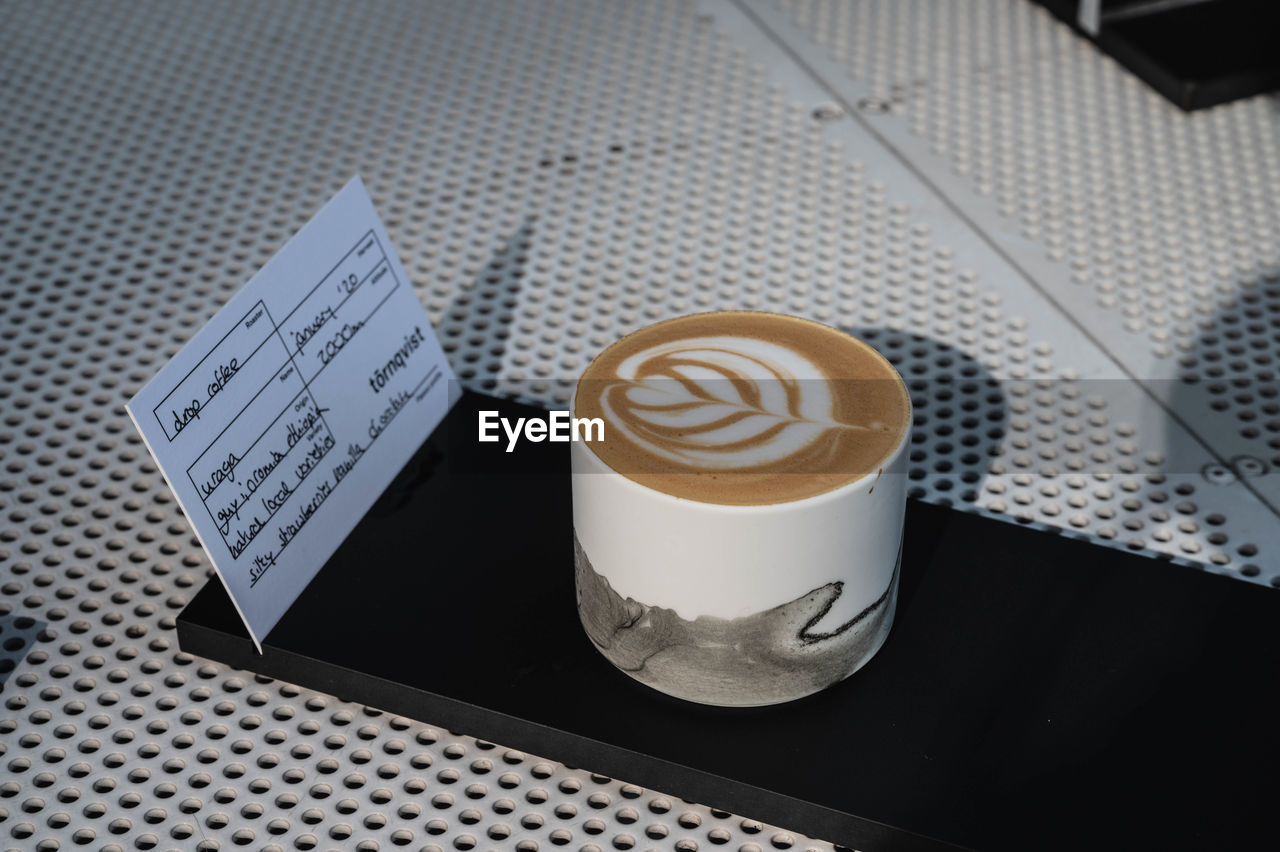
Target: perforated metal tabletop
x=1080, y=282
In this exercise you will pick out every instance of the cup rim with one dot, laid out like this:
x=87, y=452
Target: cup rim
x=865, y=479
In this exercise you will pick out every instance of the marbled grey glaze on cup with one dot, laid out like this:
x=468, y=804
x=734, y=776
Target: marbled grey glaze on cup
x=764, y=658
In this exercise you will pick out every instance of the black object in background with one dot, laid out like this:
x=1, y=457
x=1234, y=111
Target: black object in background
x=1036, y=692
x=1197, y=53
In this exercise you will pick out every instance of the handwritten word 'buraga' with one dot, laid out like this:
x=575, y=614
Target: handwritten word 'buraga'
x=218, y=474
x=191, y=412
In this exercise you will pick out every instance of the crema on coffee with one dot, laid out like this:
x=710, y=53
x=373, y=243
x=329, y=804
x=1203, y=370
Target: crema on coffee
x=743, y=407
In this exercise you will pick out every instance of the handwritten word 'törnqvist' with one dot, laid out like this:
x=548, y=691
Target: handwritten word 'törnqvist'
x=383, y=374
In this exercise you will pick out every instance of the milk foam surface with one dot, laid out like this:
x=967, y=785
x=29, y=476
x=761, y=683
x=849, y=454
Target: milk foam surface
x=742, y=408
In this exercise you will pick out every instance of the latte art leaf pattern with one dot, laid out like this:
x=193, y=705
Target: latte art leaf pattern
x=722, y=403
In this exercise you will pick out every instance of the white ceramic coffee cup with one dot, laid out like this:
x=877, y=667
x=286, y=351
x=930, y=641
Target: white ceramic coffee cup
x=737, y=605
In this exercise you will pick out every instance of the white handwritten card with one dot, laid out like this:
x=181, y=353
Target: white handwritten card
x=281, y=422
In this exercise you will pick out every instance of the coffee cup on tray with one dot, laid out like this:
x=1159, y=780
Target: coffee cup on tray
x=738, y=530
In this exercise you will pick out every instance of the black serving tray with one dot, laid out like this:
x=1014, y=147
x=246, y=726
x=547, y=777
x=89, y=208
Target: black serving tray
x=1037, y=692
